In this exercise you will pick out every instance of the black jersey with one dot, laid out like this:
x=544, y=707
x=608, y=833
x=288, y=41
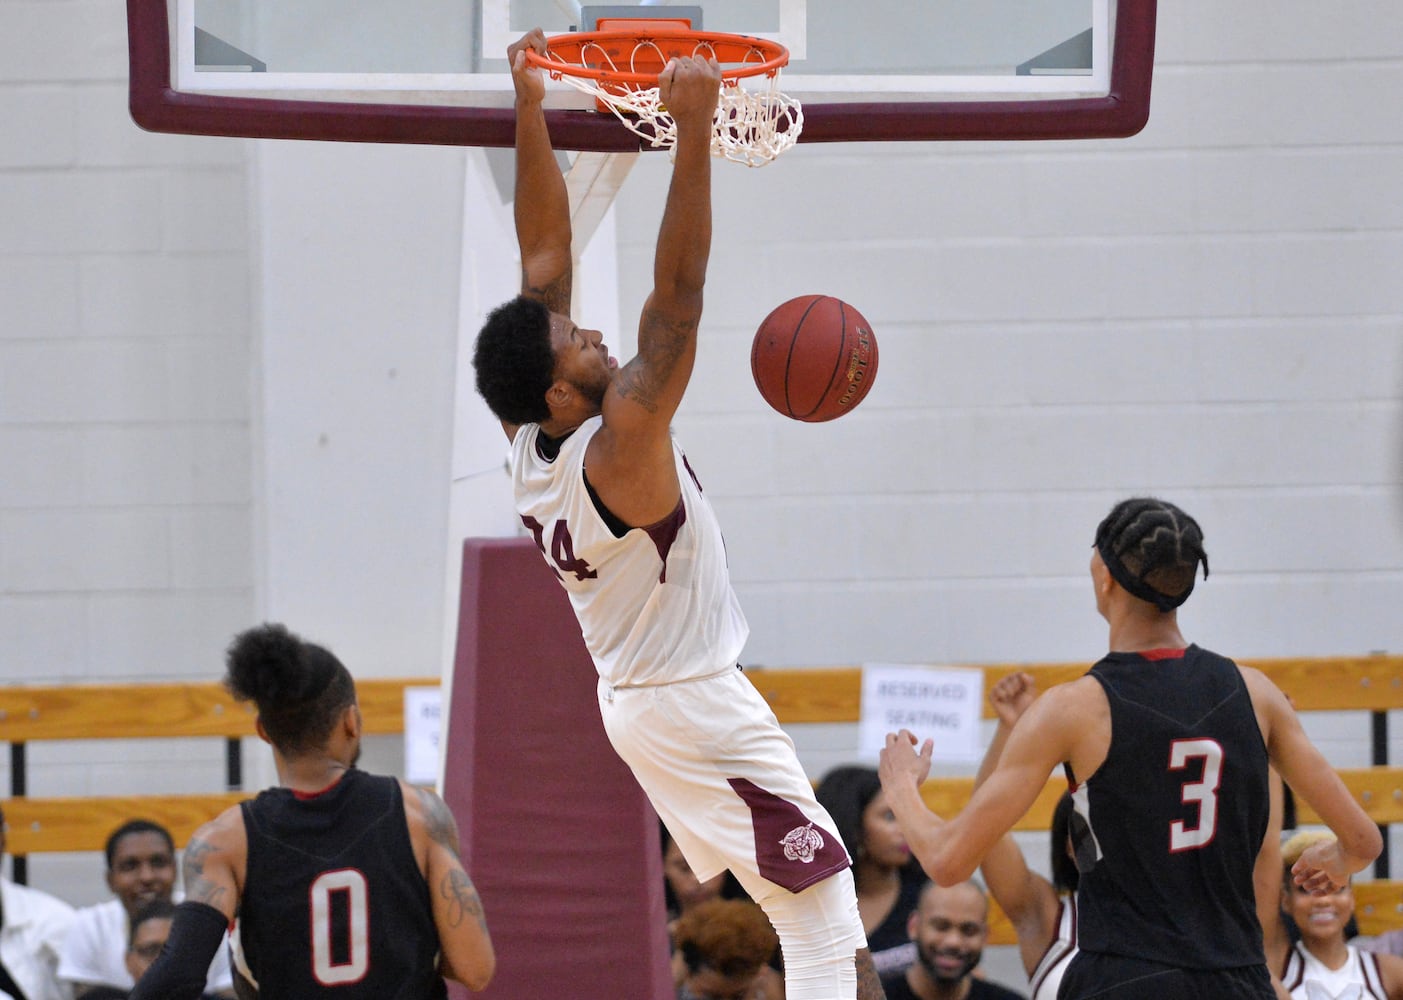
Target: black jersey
x=333, y=902
x=1168, y=828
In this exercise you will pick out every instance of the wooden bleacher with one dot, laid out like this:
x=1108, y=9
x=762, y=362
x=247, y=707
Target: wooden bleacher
x=1372, y=684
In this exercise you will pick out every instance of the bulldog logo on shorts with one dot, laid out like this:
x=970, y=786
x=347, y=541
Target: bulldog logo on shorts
x=802, y=844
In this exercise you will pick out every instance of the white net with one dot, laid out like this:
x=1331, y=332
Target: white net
x=754, y=122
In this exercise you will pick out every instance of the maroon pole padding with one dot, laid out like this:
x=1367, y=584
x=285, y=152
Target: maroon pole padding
x=556, y=834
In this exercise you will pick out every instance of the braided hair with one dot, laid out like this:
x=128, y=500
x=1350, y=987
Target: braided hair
x=1152, y=549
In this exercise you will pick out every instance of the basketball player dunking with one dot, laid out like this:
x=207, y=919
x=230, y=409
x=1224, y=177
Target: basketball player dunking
x=620, y=518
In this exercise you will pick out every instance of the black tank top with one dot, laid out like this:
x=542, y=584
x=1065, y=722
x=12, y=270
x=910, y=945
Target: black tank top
x=1167, y=830
x=333, y=903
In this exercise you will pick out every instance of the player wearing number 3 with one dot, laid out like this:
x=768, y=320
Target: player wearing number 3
x=620, y=518
x=1165, y=746
x=338, y=883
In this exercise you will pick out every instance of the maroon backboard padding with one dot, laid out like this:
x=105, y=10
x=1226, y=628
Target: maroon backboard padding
x=556, y=834
x=157, y=107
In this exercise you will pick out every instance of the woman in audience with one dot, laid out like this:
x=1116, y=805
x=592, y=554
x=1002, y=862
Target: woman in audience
x=1323, y=963
x=888, y=877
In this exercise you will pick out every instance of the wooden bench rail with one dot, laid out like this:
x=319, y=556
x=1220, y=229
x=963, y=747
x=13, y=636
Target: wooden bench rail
x=1367, y=683
x=145, y=711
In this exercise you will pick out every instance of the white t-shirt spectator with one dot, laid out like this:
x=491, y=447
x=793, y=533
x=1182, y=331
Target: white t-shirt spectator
x=96, y=949
x=31, y=939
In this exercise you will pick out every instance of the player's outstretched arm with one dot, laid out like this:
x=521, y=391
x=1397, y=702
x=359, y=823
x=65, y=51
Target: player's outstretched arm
x=542, y=204
x=1325, y=866
x=214, y=863
x=951, y=851
x=468, y=956
x=1029, y=900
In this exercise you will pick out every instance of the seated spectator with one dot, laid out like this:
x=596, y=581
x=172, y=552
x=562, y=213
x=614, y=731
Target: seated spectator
x=723, y=947
x=140, y=871
x=150, y=928
x=33, y=926
x=1323, y=963
x=949, y=928
x=887, y=876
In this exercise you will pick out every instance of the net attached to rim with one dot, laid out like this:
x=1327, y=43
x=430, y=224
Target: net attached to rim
x=754, y=122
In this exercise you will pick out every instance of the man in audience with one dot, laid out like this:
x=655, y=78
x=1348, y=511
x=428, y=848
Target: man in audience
x=721, y=952
x=140, y=871
x=949, y=927
x=33, y=926
x=150, y=928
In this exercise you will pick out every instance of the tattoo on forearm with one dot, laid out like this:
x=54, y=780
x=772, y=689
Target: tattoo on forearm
x=463, y=901
x=197, y=887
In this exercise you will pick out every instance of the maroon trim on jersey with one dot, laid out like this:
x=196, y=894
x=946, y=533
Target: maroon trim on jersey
x=790, y=850
x=664, y=533
x=1163, y=654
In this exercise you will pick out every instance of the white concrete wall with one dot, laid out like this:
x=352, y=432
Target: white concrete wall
x=229, y=373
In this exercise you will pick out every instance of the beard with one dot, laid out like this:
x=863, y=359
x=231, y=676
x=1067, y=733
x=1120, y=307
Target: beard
x=594, y=389
x=941, y=974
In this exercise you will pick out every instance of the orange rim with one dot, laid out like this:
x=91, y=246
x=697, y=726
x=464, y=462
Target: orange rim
x=567, y=54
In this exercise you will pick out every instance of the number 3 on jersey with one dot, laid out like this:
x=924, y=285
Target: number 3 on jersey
x=336, y=963
x=1202, y=793
x=562, y=548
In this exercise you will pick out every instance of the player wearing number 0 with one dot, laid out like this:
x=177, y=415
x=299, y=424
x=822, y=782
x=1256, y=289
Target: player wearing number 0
x=338, y=883
x=1165, y=746
x=620, y=518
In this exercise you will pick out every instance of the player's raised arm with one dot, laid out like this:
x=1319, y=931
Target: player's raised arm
x=1029, y=900
x=542, y=205
x=650, y=387
x=214, y=863
x=467, y=953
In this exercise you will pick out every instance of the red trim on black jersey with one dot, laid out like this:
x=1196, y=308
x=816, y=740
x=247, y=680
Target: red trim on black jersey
x=1163, y=654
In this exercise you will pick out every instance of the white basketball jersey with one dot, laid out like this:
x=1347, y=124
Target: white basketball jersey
x=1308, y=978
x=1047, y=977
x=656, y=605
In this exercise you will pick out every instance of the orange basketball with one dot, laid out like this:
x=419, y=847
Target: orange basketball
x=814, y=358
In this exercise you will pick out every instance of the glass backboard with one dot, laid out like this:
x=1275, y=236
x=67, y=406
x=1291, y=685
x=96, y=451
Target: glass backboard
x=435, y=70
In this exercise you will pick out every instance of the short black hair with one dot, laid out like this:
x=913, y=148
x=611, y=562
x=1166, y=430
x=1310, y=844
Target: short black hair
x=133, y=826
x=514, y=361
x=300, y=688
x=1152, y=549
x=157, y=909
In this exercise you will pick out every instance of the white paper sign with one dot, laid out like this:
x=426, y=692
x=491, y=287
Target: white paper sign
x=937, y=703
x=423, y=708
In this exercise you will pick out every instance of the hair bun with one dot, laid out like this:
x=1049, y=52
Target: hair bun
x=265, y=665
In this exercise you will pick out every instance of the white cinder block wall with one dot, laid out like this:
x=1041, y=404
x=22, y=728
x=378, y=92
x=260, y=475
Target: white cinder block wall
x=227, y=377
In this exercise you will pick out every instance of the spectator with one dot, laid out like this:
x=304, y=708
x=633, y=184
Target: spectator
x=150, y=928
x=33, y=926
x=949, y=927
x=722, y=950
x=888, y=877
x=140, y=870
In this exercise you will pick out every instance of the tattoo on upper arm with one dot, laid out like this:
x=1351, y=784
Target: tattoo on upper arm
x=198, y=888
x=662, y=343
x=439, y=821
x=463, y=901
x=555, y=294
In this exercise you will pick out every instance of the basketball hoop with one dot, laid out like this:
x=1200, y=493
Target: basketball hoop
x=620, y=70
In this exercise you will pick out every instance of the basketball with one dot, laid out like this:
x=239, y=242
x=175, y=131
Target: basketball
x=814, y=358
